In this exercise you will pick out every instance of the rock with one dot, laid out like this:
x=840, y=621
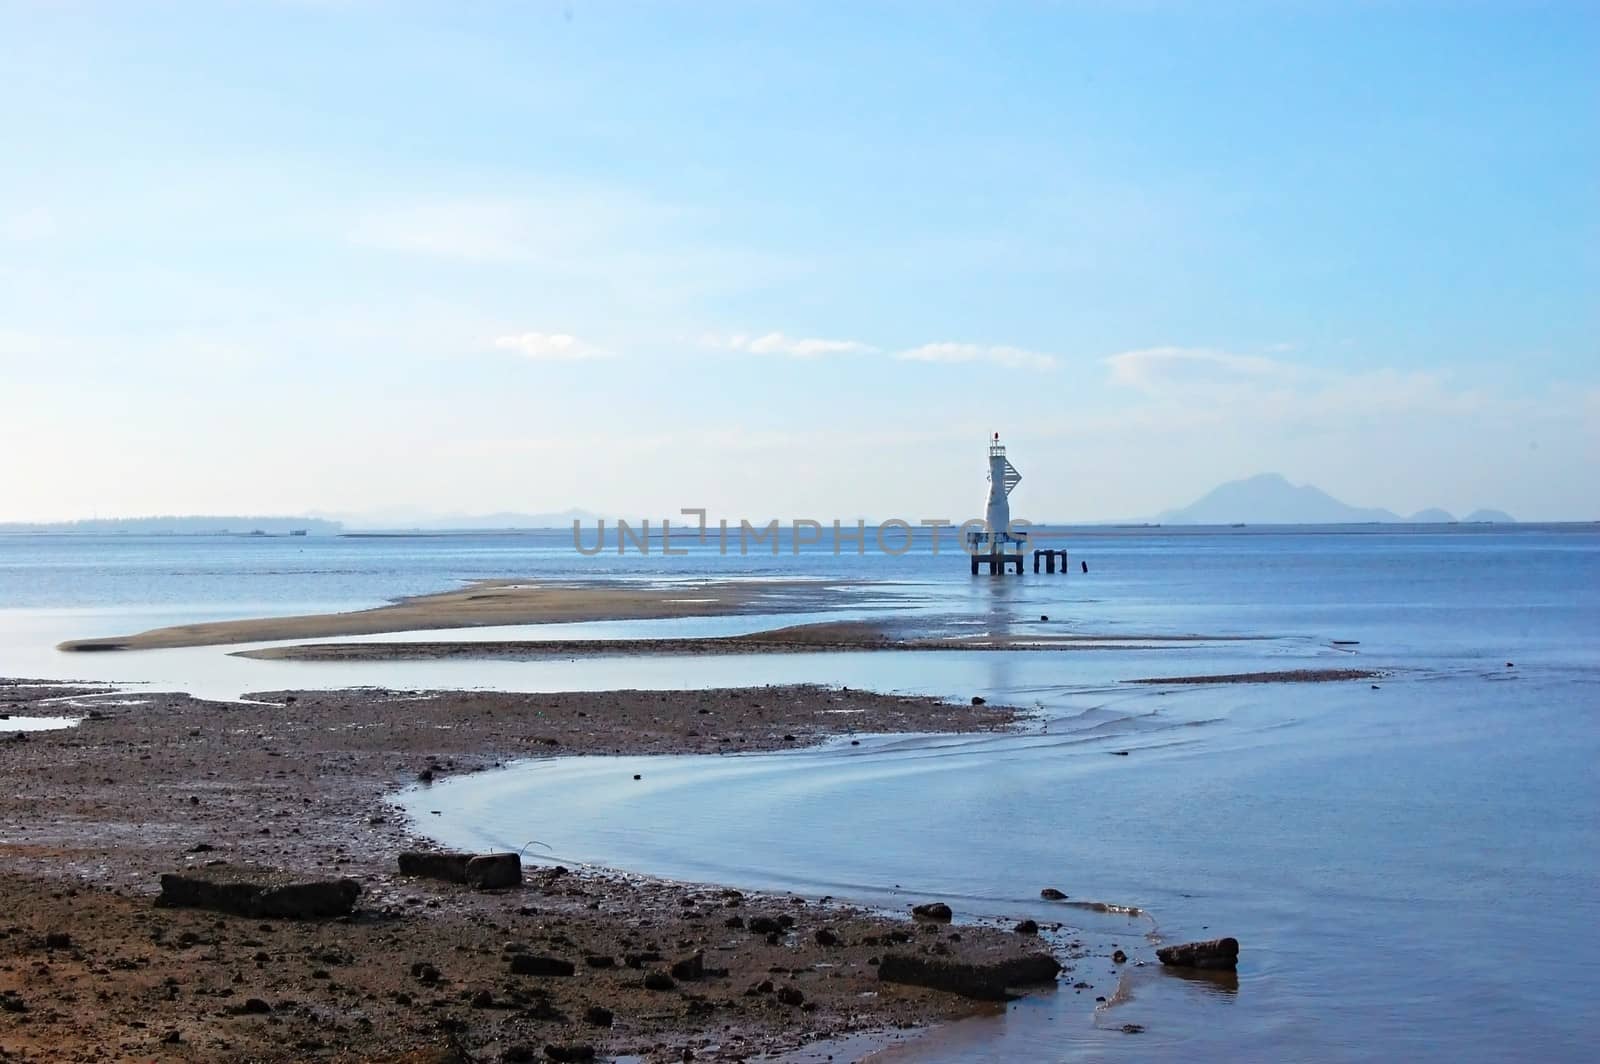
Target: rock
x=598, y=1015
x=450, y=867
x=658, y=980
x=57, y=940
x=245, y=890
x=424, y=972
x=426, y=775
x=825, y=937
x=569, y=1053
x=1132, y=1028
x=1044, y=616
x=763, y=925
x=979, y=700
x=689, y=968
x=1119, y=957
x=1027, y=927
x=933, y=910
x=596, y=960
x=1052, y=894
x=983, y=980
x=529, y=964
x=494, y=871
x=251, y=1007
x=790, y=994
x=1218, y=953
x=483, y=999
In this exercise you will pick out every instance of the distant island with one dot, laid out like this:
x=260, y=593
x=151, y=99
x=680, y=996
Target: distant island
x=172, y=525
x=1269, y=499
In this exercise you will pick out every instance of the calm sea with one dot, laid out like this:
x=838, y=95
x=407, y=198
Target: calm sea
x=1413, y=870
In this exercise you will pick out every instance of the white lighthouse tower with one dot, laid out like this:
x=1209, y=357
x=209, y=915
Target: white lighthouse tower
x=1003, y=476
x=996, y=545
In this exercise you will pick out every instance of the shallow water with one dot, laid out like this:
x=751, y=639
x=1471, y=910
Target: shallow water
x=1411, y=870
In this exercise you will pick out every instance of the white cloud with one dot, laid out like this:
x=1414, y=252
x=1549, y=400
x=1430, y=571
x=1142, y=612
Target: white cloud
x=1014, y=357
x=549, y=347
x=1154, y=368
x=776, y=343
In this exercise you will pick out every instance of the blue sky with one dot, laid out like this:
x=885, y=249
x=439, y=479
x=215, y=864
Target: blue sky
x=796, y=260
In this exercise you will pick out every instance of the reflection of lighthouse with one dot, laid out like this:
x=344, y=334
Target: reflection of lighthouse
x=996, y=543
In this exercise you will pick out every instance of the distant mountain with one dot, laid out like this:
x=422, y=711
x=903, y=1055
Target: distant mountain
x=1493, y=517
x=181, y=525
x=1269, y=499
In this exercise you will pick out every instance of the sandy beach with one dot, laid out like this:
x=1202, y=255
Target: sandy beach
x=496, y=602
x=90, y=969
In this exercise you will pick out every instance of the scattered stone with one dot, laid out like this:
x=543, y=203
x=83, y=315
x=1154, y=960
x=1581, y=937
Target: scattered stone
x=424, y=972
x=933, y=910
x=689, y=968
x=979, y=700
x=986, y=981
x=825, y=937
x=1220, y=953
x=57, y=940
x=529, y=964
x=569, y=1053
x=595, y=960
x=1052, y=894
x=1027, y=927
x=658, y=980
x=764, y=925
x=1132, y=1028
x=790, y=994
x=245, y=890
x=1119, y=957
x=251, y=1007
x=598, y=1016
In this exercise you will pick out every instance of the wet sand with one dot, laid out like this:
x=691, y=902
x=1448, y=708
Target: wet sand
x=821, y=637
x=495, y=602
x=90, y=969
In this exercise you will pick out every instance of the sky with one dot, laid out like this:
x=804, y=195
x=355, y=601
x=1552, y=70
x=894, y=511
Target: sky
x=796, y=260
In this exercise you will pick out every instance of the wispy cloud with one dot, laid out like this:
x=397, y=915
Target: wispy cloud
x=1014, y=357
x=776, y=343
x=1154, y=368
x=549, y=347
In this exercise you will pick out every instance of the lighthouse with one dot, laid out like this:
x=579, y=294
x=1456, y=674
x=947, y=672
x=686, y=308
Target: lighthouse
x=996, y=544
x=1003, y=476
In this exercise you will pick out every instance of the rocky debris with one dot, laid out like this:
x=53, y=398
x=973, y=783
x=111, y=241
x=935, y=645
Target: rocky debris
x=769, y=925
x=1027, y=927
x=985, y=980
x=423, y=972
x=529, y=964
x=598, y=1016
x=1052, y=894
x=689, y=968
x=569, y=1052
x=933, y=910
x=450, y=867
x=658, y=980
x=494, y=871
x=485, y=871
x=825, y=937
x=251, y=1007
x=57, y=940
x=1219, y=953
x=790, y=994
x=248, y=890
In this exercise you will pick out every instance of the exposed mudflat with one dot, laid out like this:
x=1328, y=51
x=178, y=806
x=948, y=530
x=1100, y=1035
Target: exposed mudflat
x=91, y=969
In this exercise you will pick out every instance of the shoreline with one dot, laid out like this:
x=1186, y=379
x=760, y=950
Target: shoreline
x=303, y=782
